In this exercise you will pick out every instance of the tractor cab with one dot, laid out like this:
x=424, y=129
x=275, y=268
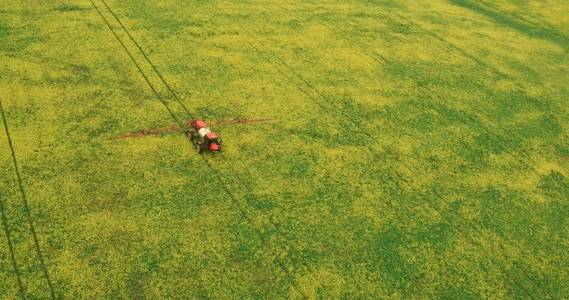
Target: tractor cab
x=198, y=124
x=202, y=137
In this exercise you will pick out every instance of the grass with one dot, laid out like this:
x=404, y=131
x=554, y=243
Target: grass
x=415, y=149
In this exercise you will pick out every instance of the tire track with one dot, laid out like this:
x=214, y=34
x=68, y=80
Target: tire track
x=322, y=95
x=190, y=115
x=453, y=48
x=219, y=177
x=471, y=118
x=16, y=270
x=24, y=199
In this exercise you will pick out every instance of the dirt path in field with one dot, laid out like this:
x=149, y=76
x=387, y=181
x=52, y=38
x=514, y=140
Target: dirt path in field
x=176, y=128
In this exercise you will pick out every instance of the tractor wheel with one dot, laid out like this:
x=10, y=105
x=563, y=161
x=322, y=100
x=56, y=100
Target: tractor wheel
x=199, y=148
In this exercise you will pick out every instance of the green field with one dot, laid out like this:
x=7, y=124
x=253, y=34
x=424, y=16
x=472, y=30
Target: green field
x=372, y=149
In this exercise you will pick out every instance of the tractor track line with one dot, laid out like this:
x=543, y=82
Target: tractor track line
x=545, y=30
x=426, y=94
x=277, y=258
x=310, y=86
x=21, y=288
x=312, y=97
x=275, y=226
x=303, y=92
x=470, y=117
x=484, y=128
x=450, y=47
x=242, y=211
x=520, y=160
x=454, y=49
x=25, y=202
x=147, y=59
x=218, y=176
x=400, y=176
x=375, y=57
x=319, y=104
x=306, y=83
x=133, y=60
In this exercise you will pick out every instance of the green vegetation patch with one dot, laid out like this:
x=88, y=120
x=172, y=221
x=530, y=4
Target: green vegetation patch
x=372, y=149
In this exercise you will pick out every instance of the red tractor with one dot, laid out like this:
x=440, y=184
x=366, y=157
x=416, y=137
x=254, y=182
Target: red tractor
x=202, y=137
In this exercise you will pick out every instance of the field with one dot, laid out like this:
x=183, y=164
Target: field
x=372, y=149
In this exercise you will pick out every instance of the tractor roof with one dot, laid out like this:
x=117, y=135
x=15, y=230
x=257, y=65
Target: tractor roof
x=200, y=124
